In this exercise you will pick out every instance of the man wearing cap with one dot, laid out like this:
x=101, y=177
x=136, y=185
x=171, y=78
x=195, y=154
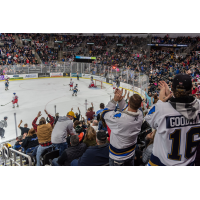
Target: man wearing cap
x=62, y=128
x=177, y=121
x=95, y=155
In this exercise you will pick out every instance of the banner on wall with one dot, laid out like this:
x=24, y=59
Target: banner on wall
x=75, y=75
x=86, y=75
x=43, y=75
x=66, y=74
x=13, y=77
x=56, y=74
x=30, y=76
x=1, y=77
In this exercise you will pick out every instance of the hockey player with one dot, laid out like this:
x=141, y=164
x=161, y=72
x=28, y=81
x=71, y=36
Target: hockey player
x=15, y=100
x=6, y=83
x=114, y=86
x=71, y=84
x=92, y=84
x=3, y=124
x=75, y=90
x=177, y=123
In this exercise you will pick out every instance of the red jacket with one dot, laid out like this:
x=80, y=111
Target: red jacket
x=194, y=91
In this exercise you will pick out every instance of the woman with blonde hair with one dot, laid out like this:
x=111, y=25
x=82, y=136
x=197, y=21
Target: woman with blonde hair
x=90, y=137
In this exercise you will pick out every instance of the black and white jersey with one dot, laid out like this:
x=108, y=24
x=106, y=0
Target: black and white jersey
x=176, y=138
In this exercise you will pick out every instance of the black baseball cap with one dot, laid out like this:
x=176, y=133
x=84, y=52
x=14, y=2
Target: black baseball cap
x=101, y=135
x=182, y=82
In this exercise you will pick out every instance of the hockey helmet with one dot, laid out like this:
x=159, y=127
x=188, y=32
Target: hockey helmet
x=78, y=129
x=14, y=93
x=5, y=117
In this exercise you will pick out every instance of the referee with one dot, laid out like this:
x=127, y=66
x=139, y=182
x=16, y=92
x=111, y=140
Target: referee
x=77, y=76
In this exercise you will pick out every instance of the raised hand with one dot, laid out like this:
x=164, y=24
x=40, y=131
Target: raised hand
x=39, y=114
x=118, y=95
x=162, y=95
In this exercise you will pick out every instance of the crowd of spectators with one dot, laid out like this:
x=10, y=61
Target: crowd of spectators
x=17, y=55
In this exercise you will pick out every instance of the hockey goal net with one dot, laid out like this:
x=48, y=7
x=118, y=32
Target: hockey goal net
x=99, y=83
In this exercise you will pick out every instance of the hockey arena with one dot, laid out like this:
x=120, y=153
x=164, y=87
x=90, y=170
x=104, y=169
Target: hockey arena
x=99, y=100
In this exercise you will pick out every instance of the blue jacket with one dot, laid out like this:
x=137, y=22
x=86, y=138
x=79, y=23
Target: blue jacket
x=95, y=156
x=100, y=127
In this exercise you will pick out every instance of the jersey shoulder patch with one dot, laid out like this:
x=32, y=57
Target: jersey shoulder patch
x=118, y=115
x=152, y=110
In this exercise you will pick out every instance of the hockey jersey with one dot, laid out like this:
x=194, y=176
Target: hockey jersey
x=125, y=127
x=71, y=83
x=3, y=124
x=15, y=97
x=178, y=132
x=75, y=88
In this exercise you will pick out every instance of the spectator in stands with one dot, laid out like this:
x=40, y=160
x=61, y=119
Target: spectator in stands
x=165, y=117
x=102, y=106
x=62, y=128
x=194, y=90
x=95, y=125
x=150, y=99
x=147, y=151
x=79, y=132
x=30, y=141
x=43, y=133
x=18, y=143
x=24, y=129
x=125, y=127
x=102, y=125
x=90, y=137
x=90, y=114
x=74, y=152
x=77, y=115
x=95, y=155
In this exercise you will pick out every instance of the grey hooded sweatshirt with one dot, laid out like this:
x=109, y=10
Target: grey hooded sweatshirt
x=63, y=127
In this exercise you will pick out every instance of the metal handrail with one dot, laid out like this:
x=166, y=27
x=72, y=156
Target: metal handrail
x=13, y=160
x=5, y=154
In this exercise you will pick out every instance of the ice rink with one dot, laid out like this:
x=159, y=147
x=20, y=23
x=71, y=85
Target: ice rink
x=37, y=94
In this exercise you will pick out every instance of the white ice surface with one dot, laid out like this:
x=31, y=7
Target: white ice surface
x=37, y=94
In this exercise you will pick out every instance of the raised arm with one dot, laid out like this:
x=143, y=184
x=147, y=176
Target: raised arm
x=20, y=124
x=50, y=117
x=35, y=120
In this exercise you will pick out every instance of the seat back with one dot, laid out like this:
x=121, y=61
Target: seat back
x=50, y=156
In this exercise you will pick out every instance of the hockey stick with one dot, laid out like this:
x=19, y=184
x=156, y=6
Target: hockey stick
x=6, y=104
